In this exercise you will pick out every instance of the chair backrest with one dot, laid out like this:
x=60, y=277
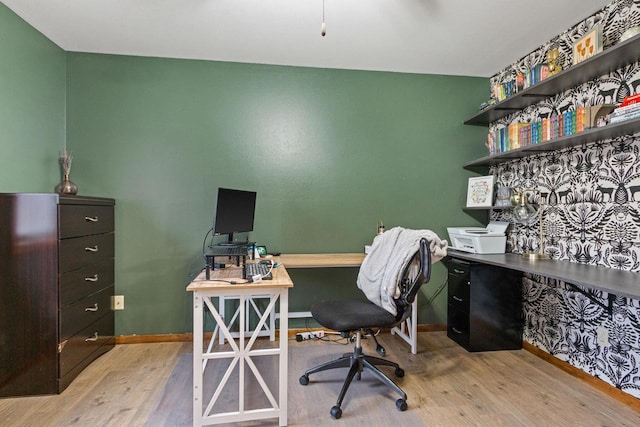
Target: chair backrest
x=416, y=273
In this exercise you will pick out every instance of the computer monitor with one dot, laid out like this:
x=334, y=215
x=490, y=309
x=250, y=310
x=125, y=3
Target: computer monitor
x=235, y=211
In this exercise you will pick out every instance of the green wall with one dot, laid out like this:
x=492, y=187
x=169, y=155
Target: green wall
x=328, y=151
x=32, y=107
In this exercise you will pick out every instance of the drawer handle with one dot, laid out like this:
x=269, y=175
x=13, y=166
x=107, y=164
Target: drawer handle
x=457, y=298
x=91, y=279
x=91, y=218
x=93, y=338
x=455, y=270
x=94, y=308
x=93, y=249
x=452, y=328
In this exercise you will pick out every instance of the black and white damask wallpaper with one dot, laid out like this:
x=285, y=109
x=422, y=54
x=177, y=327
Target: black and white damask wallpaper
x=591, y=214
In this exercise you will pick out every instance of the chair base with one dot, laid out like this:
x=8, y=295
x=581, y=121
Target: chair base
x=357, y=362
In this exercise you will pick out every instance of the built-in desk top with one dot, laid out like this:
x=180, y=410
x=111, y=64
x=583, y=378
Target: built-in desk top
x=322, y=260
x=617, y=282
x=220, y=278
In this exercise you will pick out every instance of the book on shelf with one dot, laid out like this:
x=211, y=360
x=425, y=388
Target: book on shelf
x=625, y=117
x=594, y=112
x=522, y=80
x=515, y=137
x=521, y=134
x=629, y=109
x=631, y=99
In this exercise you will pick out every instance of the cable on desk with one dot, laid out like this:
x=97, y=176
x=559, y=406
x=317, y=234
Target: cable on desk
x=204, y=242
x=231, y=282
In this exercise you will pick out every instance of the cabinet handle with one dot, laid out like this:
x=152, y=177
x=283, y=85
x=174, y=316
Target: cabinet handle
x=455, y=270
x=94, y=308
x=91, y=279
x=452, y=328
x=91, y=218
x=457, y=298
x=93, y=249
x=93, y=338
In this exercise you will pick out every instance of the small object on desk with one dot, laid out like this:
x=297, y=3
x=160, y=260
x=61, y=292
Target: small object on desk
x=275, y=253
x=479, y=240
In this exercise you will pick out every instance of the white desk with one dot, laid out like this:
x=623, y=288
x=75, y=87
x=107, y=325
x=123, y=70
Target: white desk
x=407, y=330
x=242, y=351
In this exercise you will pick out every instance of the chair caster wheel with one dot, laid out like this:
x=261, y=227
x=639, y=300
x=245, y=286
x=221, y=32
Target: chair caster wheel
x=304, y=380
x=336, y=412
x=401, y=404
x=399, y=372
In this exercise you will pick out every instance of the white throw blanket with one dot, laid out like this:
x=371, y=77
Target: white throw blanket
x=390, y=252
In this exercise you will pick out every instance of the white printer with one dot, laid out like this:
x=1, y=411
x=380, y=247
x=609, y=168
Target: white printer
x=480, y=240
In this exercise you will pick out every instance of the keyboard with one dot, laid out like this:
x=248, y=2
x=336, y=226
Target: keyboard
x=251, y=269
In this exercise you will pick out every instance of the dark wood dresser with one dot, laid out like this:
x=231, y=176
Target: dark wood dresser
x=56, y=287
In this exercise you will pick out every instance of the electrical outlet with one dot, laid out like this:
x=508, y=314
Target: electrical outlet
x=602, y=336
x=117, y=302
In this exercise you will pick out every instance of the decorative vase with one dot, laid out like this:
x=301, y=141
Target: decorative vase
x=66, y=186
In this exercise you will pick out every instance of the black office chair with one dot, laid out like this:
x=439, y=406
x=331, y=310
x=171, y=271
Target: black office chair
x=352, y=316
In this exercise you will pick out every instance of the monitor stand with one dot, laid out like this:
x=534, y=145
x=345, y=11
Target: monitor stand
x=230, y=242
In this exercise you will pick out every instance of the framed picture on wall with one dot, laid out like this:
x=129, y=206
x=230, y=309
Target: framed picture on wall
x=588, y=45
x=480, y=192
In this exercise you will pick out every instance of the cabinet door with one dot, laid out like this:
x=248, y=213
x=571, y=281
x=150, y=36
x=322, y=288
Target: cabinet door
x=495, y=314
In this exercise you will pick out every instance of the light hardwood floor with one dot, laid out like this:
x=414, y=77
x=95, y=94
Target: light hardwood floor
x=446, y=385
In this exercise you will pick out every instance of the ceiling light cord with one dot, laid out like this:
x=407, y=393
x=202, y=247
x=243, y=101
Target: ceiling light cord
x=323, y=27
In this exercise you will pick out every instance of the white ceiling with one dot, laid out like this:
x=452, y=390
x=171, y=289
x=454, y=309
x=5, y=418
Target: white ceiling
x=457, y=37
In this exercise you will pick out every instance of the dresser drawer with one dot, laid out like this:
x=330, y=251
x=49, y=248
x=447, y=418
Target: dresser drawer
x=459, y=291
x=82, y=251
x=82, y=220
x=459, y=268
x=77, y=284
x=459, y=284
x=80, y=346
x=83, y=313
x=458, y=326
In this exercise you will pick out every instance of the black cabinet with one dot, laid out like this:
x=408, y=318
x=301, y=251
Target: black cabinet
x=56, y=285
x=484, y=309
